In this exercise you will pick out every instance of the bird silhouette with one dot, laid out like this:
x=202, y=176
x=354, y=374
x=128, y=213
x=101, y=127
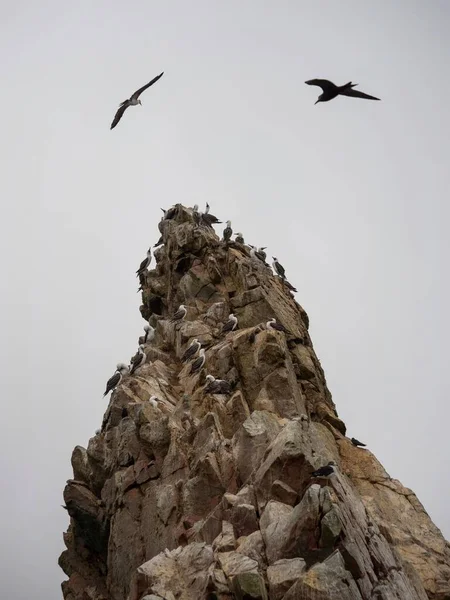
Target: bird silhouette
x=330, y=90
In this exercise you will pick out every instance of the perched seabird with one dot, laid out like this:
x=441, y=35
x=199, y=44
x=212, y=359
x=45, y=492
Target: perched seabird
x=198, y=363
x=279, y=269
x=272, y=324
x=138, y=359
x=217, y=386
x=227, y=233
x=356, y=442
x=196, y=215
x=159, y=242
x=326, y=471
x=194, y=347
x=208, y=218
x=170, y=213
x=258, y=253
x=330, y=90
x=154, y=401
x=231, y=324
x=145, y=263
x=179, y=315
x=289, y=286
x=114, y=381
x=133, y=100
x=149, y=334
x=239, y=239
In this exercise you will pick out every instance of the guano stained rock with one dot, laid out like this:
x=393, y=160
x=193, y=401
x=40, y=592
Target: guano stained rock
x=210, y=496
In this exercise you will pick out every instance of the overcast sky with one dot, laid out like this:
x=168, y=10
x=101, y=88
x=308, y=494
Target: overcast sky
x=351, y=196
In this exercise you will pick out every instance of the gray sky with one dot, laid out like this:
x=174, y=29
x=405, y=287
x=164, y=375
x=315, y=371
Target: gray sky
x=351, y=196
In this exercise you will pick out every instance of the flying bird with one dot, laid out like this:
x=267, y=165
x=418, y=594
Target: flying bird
x=227, y=233
x=330, y=90
x=231, y=324
x=133, y=100
x=217, y=386
x=145, y=263
x=194, y=347
x=327, y=471
x=279, y=269
x=356, y=442
x=179, y=315
x=198, y=363
x=114, y=381
x=138, y=359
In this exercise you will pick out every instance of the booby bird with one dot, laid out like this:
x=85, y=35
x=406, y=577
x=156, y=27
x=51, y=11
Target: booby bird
x=170, y=213
x=194, y=347
x=198, y=363
x=179, y=315
x=114, y=381
x=258, y=253
x=149, y=334
x=154, y=401
x=289, y=286
x=231, y=324
x=217, y=386
x=227, y=233
x=208, y=218
x=327, y=471
x=133, y=100
x=272, y=324
x=145, y=263
x=138, y=359
x=330, y=90
x=279, y=269
x=239, y=239
x=356, y=442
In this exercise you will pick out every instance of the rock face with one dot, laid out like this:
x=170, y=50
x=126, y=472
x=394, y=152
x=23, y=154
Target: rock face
x=210, y=496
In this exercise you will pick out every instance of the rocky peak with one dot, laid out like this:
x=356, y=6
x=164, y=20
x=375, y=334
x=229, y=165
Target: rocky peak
x=210, y=495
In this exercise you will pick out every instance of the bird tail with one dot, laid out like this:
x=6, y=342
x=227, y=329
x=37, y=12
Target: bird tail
x=349, y=85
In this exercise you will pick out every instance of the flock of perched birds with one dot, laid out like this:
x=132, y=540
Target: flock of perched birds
x=194, y=354
x=329, y=91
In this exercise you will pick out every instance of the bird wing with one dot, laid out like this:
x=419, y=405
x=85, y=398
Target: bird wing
x=323, y=83
x=119, y=114
x=138, y=92
x=356, y=94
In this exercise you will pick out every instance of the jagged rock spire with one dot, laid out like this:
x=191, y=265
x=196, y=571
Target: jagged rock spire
x=211, y=496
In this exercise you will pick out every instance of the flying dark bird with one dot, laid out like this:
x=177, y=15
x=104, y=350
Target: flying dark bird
x=145, y=263
x=326, y=472
x=217, y=386
x=138, y=359
x=208, y=219
x=227, y=233
x=198, y=363
x=179, y=315
x=134, y=100
x=279, y=269
x=149, y=334
x=231, y=324
x=114, y=381
x=330, y=91
x=239, y=239
x=355, y=442
x=272, y=324
x=194, y=347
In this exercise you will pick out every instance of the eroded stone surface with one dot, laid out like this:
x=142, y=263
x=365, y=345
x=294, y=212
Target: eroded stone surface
x=210, y=496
